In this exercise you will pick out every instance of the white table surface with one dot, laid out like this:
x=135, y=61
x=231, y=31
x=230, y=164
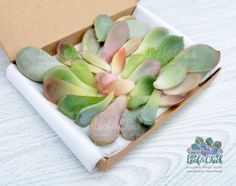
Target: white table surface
x=32, y=154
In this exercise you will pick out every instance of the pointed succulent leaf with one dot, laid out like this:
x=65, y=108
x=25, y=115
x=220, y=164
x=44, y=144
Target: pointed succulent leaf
x=147, y=115
x=125, y=18
x=85, y=116
x=95, y=60
x=68, y=52
x=209, y=141
x=89, y=42
x=153, y=39
x=136, y=28
x=81, y=70
x=133, y=61
x=191, y=81
x=149, y=67
x=131, y=128
x=137, y=101
x=116, y=38
x=102, y=24
x=198, y=58
x=104, y=128
x=70, y=105
x=64, y=73
x=118, y=61
x=102, y=79
x=171, y=77
x=131, y=45
x=169, y=100
x=55, y=89
x=144, y=86
x=199, y=140
x=120, y=87
x=33, y=62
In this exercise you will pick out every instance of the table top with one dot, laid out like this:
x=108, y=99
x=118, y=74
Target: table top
x=32, y=154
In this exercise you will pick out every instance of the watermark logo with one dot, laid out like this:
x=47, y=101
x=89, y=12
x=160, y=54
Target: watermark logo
x=205, y=155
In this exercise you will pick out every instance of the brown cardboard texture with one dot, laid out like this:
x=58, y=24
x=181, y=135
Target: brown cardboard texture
x=42, y=23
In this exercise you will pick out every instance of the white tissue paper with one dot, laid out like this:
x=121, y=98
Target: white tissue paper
x=73, y=136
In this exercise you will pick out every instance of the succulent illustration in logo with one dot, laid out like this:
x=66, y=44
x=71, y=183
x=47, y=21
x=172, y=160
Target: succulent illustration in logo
x=207, y=147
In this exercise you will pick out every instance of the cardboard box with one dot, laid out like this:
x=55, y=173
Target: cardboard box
x=43, y=24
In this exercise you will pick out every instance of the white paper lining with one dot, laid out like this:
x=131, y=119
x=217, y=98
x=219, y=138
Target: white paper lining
x=72, y=135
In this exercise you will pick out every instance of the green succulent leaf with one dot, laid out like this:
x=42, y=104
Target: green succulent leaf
x=102, y=25
x=85, y=116
x=136, y=28
x=217, y=144
x=195, y=146
x=147, y=114
x=70, y=105
x=89, y=42
x=68, y=53
x=209, y=141
x=137, y=101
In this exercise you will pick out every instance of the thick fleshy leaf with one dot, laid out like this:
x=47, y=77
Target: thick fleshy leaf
x=67, y=53
x=144, y=86
x=118, y=61
x=102, y=24
x=137, y=28
x=147, y=115
x=130, y=126
x=33, y=62
x=149, y=67
x=131, y=45
x=102, y=79
x=64, y=73
x=171, y=77
x=169, y=100
x=190, y=82
x=81, y=70
x=137, y=101
x=153, y=39
x=125, y=18
x=94, y=69
x=86, y=114
x=95, y=60
x=133, y=61
x=168, y=49
x=70, y=105
x=116, y=38
x=120, y=87
x=55, y=89
x=89, y=42
x=104, y=128
x=198, y=58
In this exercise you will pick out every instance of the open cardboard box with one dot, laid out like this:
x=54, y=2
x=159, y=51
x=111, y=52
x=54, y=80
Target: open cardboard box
x=44, y=24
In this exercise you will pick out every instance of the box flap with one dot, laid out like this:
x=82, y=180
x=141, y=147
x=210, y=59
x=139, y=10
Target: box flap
x=42, y=22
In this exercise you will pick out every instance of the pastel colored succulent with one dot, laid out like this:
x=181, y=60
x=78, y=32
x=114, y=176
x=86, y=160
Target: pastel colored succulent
x=147, y=115
x=170, y=100
x=190, y=82
x=149, y=67
x=81, y=70
x=132, y=63
x=170, y=47
x=136, y=28
x=94, y=69
x=131, y=45
x=104, y=128
x=144, y=86
x=118, y=61
x=137, y=101
x=70, y=105
x=33, y=62
x=102, y=25
x=171, y=77
x=153, y=39
x=120, y=87
x=55, y=89
x=103, y=79
x=89, y=42
x=116, y=38
x=67, y=52
x=96, y=60
x=197, y=58
x=64, y=73
x=131, y=128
